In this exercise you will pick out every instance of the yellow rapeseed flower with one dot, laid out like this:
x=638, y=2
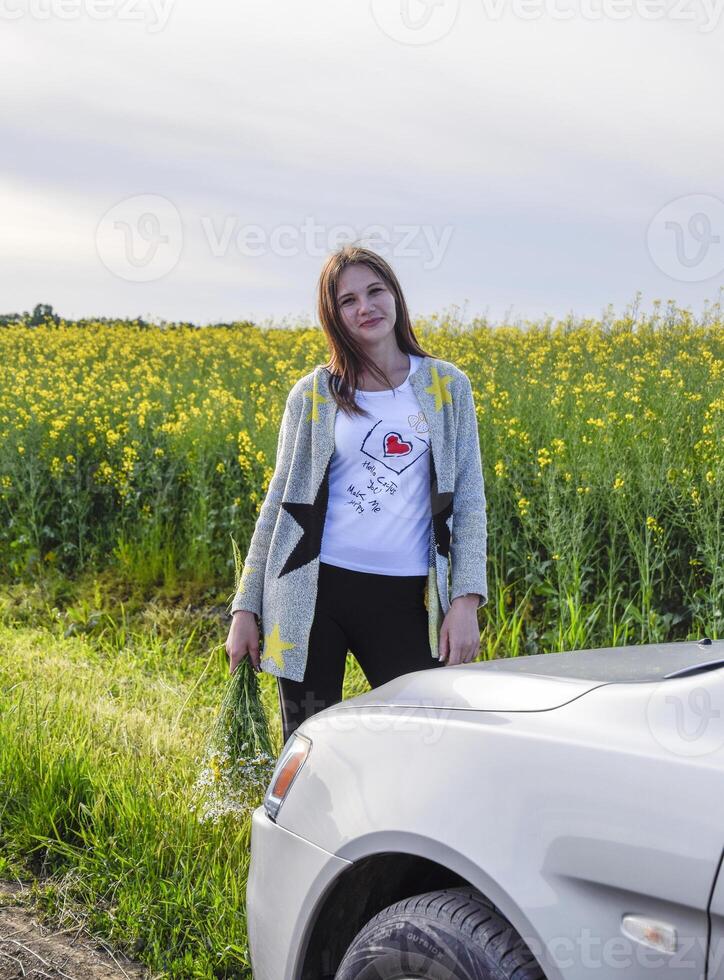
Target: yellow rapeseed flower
x=544, y=457
x=653, y=525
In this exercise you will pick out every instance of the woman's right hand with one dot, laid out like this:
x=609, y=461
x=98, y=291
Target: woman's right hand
x=243, y=639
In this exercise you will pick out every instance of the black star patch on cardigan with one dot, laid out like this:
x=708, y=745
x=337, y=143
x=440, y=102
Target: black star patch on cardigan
x=441, y=505
x=310, y=517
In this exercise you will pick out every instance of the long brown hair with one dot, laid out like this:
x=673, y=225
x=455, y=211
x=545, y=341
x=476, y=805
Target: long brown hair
x=348, y=358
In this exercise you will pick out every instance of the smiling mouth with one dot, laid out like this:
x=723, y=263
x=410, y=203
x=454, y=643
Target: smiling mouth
x=371, y=323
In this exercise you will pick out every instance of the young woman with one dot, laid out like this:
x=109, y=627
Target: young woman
x=386, y=492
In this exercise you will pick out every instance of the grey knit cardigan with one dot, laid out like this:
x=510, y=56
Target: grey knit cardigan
x=280, y=574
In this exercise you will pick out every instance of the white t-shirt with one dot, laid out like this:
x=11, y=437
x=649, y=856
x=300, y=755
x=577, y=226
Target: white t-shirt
x=378, y=512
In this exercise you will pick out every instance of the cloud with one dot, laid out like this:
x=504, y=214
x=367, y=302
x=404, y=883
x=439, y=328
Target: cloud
x=543, y=144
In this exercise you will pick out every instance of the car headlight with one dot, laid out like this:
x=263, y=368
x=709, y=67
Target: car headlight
x=290, y=762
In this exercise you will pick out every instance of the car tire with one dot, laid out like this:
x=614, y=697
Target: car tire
x=450, y=934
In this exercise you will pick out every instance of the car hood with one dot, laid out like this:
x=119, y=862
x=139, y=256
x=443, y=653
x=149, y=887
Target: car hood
x=543, y=681
x=473, y=687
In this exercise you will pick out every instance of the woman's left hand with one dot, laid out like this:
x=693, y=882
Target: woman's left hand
x=459, y=633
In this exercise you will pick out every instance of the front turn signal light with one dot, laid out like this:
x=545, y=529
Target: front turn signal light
x=289, y=764
x=650, y=932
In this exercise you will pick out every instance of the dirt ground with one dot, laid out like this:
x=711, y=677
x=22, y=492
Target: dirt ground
x=30, y=950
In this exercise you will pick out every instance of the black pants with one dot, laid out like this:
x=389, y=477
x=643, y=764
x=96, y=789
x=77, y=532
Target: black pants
x=382, y=619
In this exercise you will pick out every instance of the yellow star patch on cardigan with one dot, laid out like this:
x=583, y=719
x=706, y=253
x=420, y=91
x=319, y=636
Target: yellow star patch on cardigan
x=438, y=388
x=247, y=569
x=274, y=647
x=317, y=400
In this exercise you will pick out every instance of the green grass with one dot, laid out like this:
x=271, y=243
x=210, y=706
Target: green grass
x=95, y=767
x=101, y=737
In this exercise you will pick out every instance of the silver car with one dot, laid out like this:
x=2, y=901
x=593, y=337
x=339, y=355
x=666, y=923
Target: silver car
x=554, y=816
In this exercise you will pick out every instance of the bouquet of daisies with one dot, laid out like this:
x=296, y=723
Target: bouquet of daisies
x=239, y=758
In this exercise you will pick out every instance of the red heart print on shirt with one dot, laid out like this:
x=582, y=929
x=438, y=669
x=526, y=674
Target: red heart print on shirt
x=395, y=445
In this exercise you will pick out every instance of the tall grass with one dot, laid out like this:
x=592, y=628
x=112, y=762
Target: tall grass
x=96, y=765
x=104, y=724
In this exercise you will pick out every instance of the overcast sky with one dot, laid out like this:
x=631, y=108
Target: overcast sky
x=194, y=160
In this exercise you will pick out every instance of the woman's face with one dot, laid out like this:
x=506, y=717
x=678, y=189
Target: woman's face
x=362, y=297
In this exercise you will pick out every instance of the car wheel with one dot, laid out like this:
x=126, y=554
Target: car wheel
x=450, y=934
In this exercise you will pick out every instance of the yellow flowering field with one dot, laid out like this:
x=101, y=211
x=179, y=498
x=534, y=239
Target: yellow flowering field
x=143, y=448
